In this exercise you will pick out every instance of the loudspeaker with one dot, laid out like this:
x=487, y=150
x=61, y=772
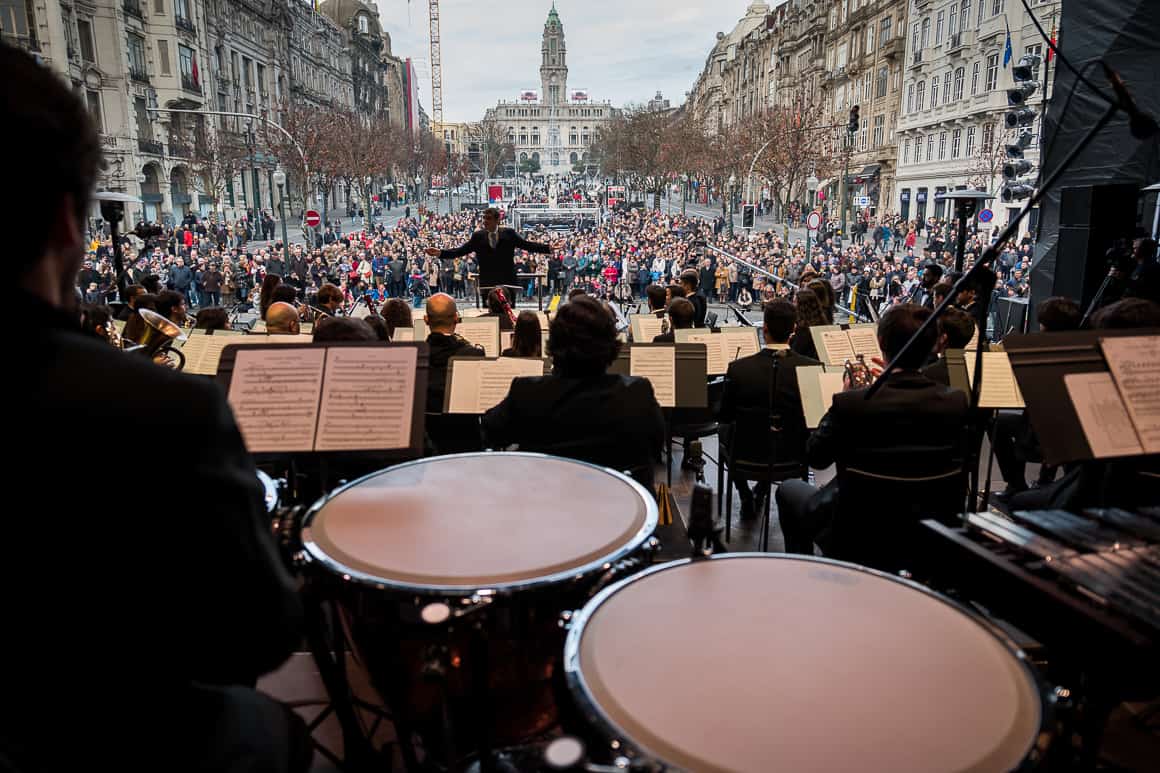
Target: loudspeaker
x=1091, y=218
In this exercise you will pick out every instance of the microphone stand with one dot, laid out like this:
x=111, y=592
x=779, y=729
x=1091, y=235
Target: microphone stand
x=981, y=276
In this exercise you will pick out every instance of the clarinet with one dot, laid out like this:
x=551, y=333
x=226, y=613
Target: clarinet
x=507, y=307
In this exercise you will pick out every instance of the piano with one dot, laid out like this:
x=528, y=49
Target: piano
x=1085, y=585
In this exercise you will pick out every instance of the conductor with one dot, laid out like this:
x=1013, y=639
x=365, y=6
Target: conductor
x=494, y=248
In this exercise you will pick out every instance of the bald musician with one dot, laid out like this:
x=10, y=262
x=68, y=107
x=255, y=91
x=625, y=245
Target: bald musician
x=447, y=433
x=282, y=319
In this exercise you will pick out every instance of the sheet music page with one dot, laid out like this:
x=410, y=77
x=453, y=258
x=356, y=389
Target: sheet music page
x=830, y=384
x=463, y=377
x=973, y=344
x=741, y=342
x=864, y=340
x=659, y=365
x=228, y=333
x=211, y=355
x=1000, y=389
x=716, y=362
x=1102, y=415
x=481, y=331
x=420, y=328
x=306, y=328
x=837, y=347
x=496, y=376
x=544, y=342
x=194, y=351
x=1135, y=365
x=274, y=394
x=645, y=327
x=367, y=398
x=811, y=391
x=543, y=317
x=403, y=334
x=505, y=339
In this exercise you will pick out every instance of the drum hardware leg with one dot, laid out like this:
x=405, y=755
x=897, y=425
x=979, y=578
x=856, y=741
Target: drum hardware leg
x=989, y=433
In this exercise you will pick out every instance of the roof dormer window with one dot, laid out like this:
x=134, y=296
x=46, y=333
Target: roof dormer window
x=363, y=26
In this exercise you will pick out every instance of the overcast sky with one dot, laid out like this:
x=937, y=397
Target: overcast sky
x=620, y=50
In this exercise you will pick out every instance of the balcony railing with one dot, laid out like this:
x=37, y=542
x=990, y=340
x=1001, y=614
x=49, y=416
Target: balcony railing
x=917, y=59
x=132, y=8
x=179, y=149
x=189, y=84
x=138, y=74
x=892, y=47
x=151, y=147
x=184, y=24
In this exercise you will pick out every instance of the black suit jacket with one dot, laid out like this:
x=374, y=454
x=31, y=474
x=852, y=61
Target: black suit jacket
x=496, y=266
x=748, y=386
x=610, y=420
x=145, y=563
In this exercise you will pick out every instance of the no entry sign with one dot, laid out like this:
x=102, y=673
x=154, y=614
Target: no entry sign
x=312, y=218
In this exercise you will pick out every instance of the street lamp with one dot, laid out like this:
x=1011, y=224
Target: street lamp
x=684, y=183
x=280, y=181
x=732, y=184
x=812, y=190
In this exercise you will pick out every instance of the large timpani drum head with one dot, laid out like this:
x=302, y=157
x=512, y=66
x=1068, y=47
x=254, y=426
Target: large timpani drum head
x=759, y=662
x=502, y=521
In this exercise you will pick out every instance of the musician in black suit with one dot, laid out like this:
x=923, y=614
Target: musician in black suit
x=581, y=411
x=681, y=313
x=765, y=385
x=955, y=330
x=910, y=411
x=169, y=600
x=448, y=433
x=691, y=280
x=494, y=249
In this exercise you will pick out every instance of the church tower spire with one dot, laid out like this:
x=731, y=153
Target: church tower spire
x=554, y=65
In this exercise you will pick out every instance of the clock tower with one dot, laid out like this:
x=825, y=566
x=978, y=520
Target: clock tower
x=554, y=66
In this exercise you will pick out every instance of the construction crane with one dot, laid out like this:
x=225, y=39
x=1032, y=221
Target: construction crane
x=436, y=64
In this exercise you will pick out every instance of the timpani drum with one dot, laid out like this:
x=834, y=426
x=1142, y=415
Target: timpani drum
x=762, y=662
x=451, y=573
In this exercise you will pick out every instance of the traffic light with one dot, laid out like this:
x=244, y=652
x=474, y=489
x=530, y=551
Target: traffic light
x=747, y=216
x=1020, y=117
x=852, y=128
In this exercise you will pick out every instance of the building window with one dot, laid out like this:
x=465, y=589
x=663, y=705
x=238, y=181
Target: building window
x=965, y=19
x=942, y=145
x=870, y=39
x=960, y=75
x=956, y=142
x=934, y=92
x=363, y=26
x=914, y=38
x=85, y=34
x=910, y=98
x=938, y=27
x=93, y=98
x=953, y=20
x=947, y=87
x=920, y=98
x=163, y=56
x=884, y=31
x=883, y=78
x=974, y=79
x=879, y=131
x=988, y=138
x=187, y=61
x=992, y=72
x=925, y=32
x=137, y=68
x=970, y=141
x=159, y=7
x=906, y=152
x=996, y=7
x=930, y=146
x=182, y=11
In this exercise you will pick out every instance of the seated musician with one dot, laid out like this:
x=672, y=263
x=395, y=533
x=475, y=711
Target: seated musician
x=213, y=318
x=448, y=433
x=911, y=411
x=341, y=329
x=397, y=314
x=527, y=339
x=681, y=317
x=282, y=319
x=171, y=606
x=1014, y=440
x=690, y=281
x=764, y=387
x=171, y=305
x=131, y=294
x=495, y=309
x=955, y=330
x=581, y=411
x=656, y=300
x=330, y=299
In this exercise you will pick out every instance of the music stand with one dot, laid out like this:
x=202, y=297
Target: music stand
x=112, y=210
x=967, y=203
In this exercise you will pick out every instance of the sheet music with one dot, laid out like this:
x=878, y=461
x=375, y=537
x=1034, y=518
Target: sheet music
x=505, y=339
x=543, y=317
x=659, y=365
x=645, y=327
x=817, y=388
x=837, y=347
x=228, y=333
x=864, y=341
x=420, y=328
x=1102, y=415
x=403, y=334
x=1135, y=365
x=367, y=399
x=479, y=385
x=274, y=394
x=1000, y=389
x=194, y=351
x=741, y=342
x=259, y=326
x=306, y=328
x=482, y=331
x=716, y=361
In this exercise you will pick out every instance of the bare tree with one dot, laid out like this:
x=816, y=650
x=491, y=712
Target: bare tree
x=216, y=157
x=987, y=162
x=495, y=149
x=800, y=140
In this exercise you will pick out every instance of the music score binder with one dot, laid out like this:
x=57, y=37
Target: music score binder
x=690, y=376
x=837, y=343
x=475, y=385
x=723, y=346
x=328, y=398
x=1041, y=362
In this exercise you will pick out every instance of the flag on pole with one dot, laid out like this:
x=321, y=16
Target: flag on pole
x=1007, y=48
x=1054, y=43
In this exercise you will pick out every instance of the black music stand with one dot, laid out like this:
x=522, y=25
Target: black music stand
x=691, y=363
x=113, y=210
x=1012, y=316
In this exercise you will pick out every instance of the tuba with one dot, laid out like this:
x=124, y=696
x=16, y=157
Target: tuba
x=156, y=341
